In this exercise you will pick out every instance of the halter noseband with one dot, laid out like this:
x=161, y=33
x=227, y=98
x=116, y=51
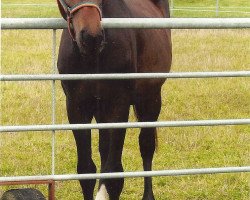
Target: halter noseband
x=70, y=11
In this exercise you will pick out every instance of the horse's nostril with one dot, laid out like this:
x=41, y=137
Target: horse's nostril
x=99, y=38
x=85, y=36
x=90, y=41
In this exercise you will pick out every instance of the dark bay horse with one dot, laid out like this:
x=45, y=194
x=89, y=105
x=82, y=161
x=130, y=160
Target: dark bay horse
x=88, y=49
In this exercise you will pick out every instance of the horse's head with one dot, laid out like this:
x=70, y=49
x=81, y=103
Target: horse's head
x=84, y=23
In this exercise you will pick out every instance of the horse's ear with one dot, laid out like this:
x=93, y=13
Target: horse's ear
x=62, y=11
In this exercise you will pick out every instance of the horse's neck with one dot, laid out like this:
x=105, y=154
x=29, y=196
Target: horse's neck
x=119, y=9
x=115, y=8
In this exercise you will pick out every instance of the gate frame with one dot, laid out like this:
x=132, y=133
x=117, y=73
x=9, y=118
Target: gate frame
x=177, y=23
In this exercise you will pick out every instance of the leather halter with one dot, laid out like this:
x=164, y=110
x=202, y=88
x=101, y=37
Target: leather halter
x=70, y=11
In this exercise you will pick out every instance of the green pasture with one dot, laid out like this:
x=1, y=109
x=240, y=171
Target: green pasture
x=239, y=8
x=26, y=103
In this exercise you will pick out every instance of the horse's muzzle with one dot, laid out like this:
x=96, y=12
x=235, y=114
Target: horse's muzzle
x=90, y=44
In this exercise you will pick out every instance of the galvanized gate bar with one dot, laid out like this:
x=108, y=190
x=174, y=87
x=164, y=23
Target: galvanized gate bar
x=180, y=172
x=123, y=76
x=125, y=125
x=221, y=11
x=172, y=23
x=171, y=7
x=53, y=101
x=217, y=8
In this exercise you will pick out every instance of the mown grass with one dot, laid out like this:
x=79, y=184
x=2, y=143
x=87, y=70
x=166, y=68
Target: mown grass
x=29, y=52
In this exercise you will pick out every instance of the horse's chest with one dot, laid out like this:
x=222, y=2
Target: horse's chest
x=98, y=89
x=79, y=89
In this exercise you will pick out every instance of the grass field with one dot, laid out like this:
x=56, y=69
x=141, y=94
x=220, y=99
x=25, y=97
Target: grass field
x=24, y=103
x=239, y=8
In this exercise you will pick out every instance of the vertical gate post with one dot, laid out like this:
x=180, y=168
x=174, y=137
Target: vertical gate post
x=51, y=189
x=53, y=100
x=52, y=184
x=172, y=8
x=217, y=8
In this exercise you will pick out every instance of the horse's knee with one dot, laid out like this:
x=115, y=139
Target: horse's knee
x=87, y=185
x=147, y=141
x=103, y=147
x=86, y=167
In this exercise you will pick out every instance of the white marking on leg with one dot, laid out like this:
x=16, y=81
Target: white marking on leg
x=102, y=194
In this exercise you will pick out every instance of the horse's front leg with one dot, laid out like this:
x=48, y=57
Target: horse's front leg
x=81, y=111
x=111, y=144
x=148, y=106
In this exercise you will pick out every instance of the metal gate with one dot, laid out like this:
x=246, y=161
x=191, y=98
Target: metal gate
x=177, y=23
